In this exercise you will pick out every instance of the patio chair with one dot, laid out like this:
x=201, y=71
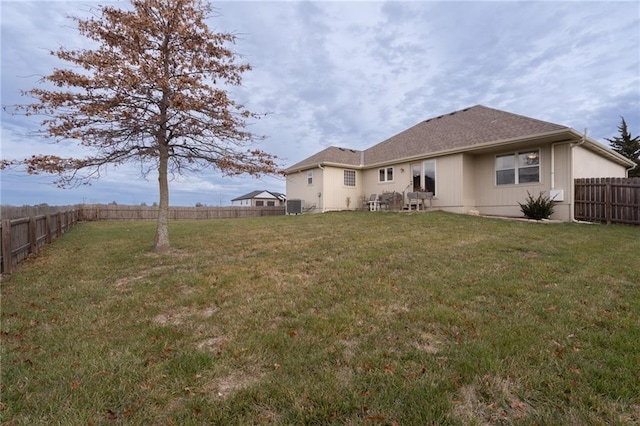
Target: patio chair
x=384, y=200
x=413, y=200
x=373, y=203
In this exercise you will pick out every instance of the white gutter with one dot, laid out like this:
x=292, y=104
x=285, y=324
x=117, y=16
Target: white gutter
x=471, y=148
x=583, y=140
x=594, y=145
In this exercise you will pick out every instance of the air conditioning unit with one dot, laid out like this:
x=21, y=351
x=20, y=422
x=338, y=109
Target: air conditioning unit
x=294, y=206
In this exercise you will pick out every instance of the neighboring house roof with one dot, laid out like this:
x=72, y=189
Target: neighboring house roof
x=255, y=194
x=464, y=130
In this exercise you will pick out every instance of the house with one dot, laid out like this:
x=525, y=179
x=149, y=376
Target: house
x=260, y=199
x=476, y=159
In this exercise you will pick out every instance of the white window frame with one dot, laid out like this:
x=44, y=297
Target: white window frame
x=383, y=174
x=349, y=178
x=310, y=177
x=517, y=166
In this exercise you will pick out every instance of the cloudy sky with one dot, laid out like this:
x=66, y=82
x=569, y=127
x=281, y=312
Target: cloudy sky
x=353, y=73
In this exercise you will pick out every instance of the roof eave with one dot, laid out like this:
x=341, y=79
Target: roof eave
x=321, y=165
x=604, y=150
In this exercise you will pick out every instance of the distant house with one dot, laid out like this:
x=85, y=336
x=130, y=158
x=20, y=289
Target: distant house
x=260, y=199
x=476, y=159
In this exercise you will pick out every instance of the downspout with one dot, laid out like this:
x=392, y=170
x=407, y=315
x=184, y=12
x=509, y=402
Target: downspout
x=553, y=165
x=362, y=193
x=572, y=205
x=628, y=170
x=320, y=204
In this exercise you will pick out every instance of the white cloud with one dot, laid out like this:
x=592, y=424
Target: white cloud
x=355, y=73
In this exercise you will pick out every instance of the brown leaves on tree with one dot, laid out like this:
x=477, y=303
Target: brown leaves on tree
x=151, y=92
x=154, y=81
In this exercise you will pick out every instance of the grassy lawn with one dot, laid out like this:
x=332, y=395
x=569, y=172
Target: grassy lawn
x=340, y=318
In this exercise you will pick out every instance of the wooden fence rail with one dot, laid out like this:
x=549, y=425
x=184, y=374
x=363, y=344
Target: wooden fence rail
x=608, y=200
x=91, y=212
x=24, y=236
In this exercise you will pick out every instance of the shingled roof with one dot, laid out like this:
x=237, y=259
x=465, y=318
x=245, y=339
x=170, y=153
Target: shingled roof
x=332, y=155
x=254, y=194
x=459, y=130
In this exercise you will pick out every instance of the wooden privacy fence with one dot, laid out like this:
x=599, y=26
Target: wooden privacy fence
x=22, y=236
x=608, y=200
x=25, y=236
x=113, y=212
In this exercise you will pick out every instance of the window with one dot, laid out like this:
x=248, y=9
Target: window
x=429, y=168
x=271, y=203
x=259, y=203
x=385, y=175
x=349, y=178
x=523, y=167
x=505, y=169
x=310, y=177
x=424, y=176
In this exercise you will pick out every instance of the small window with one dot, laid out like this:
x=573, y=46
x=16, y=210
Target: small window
x=505, y=169
x=259, y=203
x=349, y=178
x=385, y=175
x=271, y=203
x=519, y=168
x=310, y=177
x=528, y=167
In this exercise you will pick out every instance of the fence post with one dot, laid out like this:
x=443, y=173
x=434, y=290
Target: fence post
x=7, y=261
x=48, y=229
x=59, y=224
x=607, y=201
x=33, y=242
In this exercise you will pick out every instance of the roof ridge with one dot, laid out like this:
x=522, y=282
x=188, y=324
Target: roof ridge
x=522, y=116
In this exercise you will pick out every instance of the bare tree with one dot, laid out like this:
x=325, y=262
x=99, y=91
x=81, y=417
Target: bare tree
x=153, y=92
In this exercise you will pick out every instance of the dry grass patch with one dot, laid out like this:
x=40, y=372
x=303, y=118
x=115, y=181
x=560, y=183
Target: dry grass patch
x=225, y=386
x=491, y=400
x=344, y=318
x=184, y=315
x=428, y=343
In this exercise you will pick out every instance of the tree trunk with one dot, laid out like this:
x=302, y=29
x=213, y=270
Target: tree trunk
x=162, y=229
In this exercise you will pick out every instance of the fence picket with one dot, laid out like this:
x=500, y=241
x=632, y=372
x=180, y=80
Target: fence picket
x=24, y=236
x=607, y=200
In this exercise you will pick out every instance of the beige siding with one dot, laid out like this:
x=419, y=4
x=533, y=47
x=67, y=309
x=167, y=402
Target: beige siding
x=561, y=180
x=468, y=182
x=335, y=192
x=587, y=164
x=492, y=199
x=449, y=183
x=401, y=180
x=298, y=188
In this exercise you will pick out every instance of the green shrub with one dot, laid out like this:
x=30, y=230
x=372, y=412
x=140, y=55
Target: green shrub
x=537, y=208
